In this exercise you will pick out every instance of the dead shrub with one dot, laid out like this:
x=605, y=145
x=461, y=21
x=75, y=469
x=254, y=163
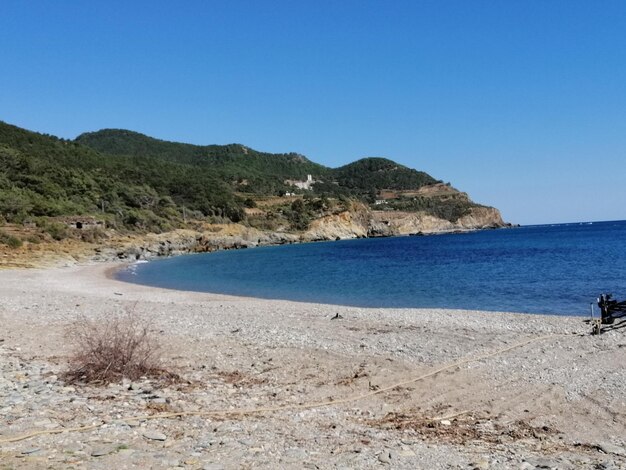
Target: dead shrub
x=114, y=347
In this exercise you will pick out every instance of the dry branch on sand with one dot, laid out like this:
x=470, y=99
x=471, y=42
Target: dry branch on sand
x=111, y=348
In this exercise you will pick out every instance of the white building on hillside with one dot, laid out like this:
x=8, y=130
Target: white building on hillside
x=302, y=184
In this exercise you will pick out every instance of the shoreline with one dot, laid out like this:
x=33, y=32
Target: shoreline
x=110, y=273
x=158, y=246
x=124, y=264
x=248, y=353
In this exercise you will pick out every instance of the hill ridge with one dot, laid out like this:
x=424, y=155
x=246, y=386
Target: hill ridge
x=135, y=182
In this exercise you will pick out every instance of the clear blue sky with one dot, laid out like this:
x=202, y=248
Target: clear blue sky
x=520, y=103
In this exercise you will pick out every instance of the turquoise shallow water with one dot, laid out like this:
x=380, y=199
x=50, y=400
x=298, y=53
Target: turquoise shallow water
x=558, y=269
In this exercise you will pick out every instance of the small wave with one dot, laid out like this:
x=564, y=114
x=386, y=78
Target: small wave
x=132, y=269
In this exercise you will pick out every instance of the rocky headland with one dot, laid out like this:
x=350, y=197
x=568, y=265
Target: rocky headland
x=359, y=222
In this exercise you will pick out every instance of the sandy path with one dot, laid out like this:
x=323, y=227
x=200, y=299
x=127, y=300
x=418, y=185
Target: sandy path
x=556, y=401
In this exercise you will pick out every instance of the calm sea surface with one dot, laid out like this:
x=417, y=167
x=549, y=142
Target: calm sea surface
x=557, y=269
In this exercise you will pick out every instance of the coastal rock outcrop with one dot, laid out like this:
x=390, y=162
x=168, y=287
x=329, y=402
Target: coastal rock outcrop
x=387, y=223
x=347, y=224
x=481, y=217
x=359, y=222
x=211, y=238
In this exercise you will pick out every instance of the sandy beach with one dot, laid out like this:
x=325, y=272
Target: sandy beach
x=375, y=388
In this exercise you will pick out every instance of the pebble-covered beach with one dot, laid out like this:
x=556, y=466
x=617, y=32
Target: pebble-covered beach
x=514, y=392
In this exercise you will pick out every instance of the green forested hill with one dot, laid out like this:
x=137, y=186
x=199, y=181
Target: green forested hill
x=374, y=174
x=137, y=182
x=42, y=175
x=263, y=173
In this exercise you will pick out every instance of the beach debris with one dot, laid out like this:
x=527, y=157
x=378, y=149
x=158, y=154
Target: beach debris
x=385, y=457
x=112, y=348
x=610, y=309
x=154, y=435
x=337, y=316
x=30, y=450
x=359, y=373
x=481, y=464
x=608, y=448
x=102, y=451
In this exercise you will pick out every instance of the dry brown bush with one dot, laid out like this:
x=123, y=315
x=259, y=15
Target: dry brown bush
x=114, y=347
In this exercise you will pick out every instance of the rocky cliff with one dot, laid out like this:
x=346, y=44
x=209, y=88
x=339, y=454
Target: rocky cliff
x=359, y=222
x=365, y=223
x=353, y=223
x=386, y=224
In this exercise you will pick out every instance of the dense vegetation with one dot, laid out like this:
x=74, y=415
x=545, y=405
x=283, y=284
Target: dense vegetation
x=135, y=182
x=450, y=208
x=367, y=176
x=245, y=169
x=262, y=173
x=45, y=176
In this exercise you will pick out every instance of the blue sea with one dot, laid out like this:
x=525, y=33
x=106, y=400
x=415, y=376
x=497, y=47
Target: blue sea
x=552, y=269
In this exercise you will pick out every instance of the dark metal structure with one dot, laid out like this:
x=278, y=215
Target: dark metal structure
x=610, y=309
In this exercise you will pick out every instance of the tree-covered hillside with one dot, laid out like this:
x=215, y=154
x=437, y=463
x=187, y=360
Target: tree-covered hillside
x=42, y=175
x=136, y=182
x=246, y=169
x=374, y=174
x=262, y=173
